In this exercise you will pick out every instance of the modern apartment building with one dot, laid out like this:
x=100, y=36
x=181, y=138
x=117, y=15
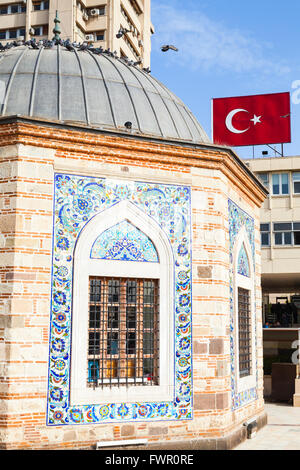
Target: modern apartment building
x=280, y=227
x=97, y=21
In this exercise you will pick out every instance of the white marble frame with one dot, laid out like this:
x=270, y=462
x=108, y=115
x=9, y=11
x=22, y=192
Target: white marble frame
x=83, y=267
x=248, y=382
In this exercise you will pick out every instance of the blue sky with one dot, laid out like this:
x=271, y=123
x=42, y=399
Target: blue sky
x=229, y=48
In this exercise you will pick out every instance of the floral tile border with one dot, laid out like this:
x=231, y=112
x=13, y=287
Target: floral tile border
x=76, y=200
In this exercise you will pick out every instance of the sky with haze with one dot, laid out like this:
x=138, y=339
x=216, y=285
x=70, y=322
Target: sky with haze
x=229, y=48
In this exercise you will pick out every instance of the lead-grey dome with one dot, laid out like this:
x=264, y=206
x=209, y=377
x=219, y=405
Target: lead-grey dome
x=95, y=90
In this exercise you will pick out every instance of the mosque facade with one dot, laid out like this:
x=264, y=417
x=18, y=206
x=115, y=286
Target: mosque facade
x=130, y=302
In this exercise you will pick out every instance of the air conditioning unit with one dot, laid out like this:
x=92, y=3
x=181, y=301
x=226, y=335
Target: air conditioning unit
x=90, y=38
x=94, y=12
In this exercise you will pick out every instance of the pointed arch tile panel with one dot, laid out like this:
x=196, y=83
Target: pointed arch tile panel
x=124, y=242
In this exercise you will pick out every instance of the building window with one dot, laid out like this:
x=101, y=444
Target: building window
x=280, y=183
x=264, y=178
x=123, y=332
x=296, y=183
x=245, y=313
x=296, y=233
x=40, y=30
x=265, y=234
x=244, y=319
x=122, y=329
x=287, y=233
x=12, y=33
x=100, y=10
x=12, y=9
x=283, y=233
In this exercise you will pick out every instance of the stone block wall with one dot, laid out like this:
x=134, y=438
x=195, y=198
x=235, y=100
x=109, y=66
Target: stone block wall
x=30, y=155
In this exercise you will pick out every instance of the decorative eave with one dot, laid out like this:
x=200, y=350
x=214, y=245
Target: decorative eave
x=76, y=138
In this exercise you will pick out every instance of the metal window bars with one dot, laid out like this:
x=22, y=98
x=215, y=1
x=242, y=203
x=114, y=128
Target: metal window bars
x=123, y=346
x=244, y=332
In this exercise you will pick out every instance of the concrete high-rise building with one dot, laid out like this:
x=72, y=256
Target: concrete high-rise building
x=280, y=227
x=96, y=21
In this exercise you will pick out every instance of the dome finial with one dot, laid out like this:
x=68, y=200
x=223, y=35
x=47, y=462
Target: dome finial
x=56, y=29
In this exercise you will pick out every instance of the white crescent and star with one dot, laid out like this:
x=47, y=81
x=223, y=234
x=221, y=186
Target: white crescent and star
x=230, y=116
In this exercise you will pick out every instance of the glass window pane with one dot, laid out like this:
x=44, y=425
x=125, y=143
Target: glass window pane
x=94, y=342
x=148, y=317
x=112, y=343
x=264, y=227
x=278, y=238
x=93, y=373
x=148, y=367
x=296, y=226
x=131, y=291
x=148, y=342
x=131, y=317
x=264, y=178
x=113, y=291
x=148, y=292
x=284, y=183
x=113, y=316
x=275, y=182
x=130, y=343
x=297, y=187
x=288, y=238
x=95, y=316
x=95, y=290
x=282, y=226
x=265, y=239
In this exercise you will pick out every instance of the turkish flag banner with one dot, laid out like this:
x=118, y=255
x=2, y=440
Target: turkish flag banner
x=252, y=120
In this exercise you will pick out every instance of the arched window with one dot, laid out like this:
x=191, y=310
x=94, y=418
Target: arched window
x=245, y=315
x=122, y=328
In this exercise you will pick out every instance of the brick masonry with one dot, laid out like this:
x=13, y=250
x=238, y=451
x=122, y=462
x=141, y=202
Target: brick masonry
x=30, y=153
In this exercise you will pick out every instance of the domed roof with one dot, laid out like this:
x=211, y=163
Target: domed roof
x=94, y=89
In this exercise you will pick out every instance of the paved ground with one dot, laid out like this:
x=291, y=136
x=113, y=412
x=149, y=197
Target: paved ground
x=281, y=433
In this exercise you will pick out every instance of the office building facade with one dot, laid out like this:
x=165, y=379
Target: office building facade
x=83, y=20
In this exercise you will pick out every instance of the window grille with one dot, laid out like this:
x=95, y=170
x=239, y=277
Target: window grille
x=244, y=332
x=123, y=346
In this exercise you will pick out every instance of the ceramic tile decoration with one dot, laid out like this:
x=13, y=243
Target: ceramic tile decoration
x=124, y=242
x=77, y=200
x=237, y=220
x=243, y=262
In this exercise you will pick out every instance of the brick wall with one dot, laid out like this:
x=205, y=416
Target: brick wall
x=29, y=155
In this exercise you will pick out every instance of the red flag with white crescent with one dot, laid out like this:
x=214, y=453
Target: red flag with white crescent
x=252, y=120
